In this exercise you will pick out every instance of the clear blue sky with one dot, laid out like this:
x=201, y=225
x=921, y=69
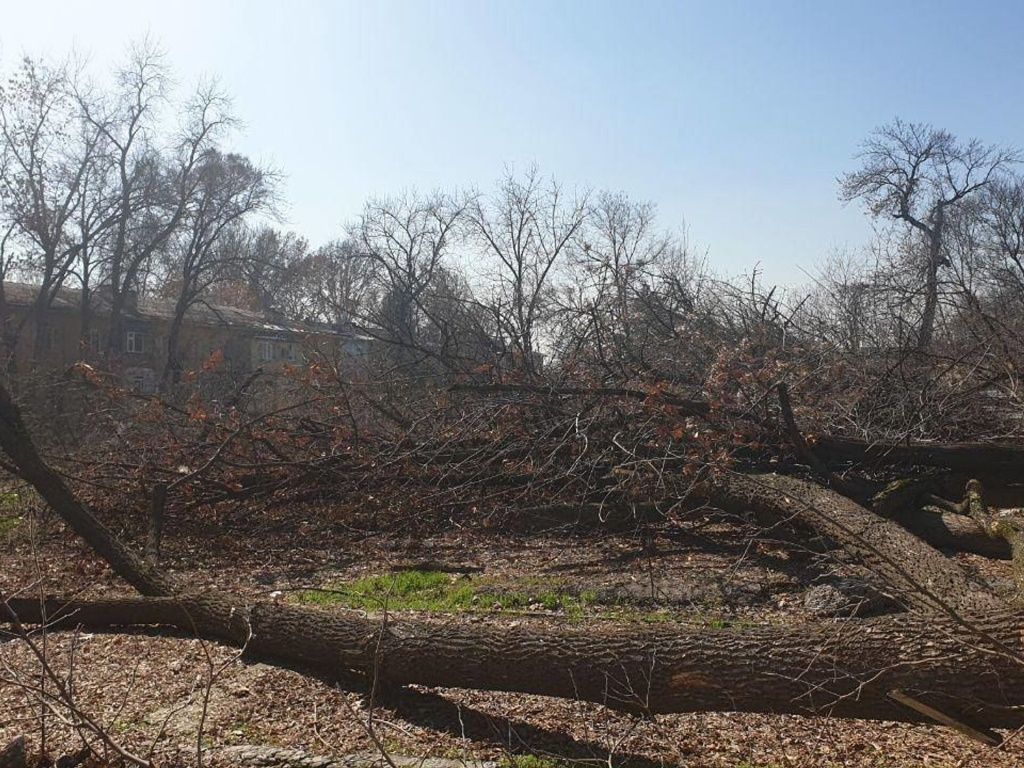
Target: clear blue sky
x=735, y=117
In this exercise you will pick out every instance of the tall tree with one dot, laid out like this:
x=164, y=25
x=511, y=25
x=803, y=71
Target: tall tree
x=267, y=275
x=407, y=238
x=154, y=181
x=228, y=189
x=126, y=117
x=621, y=261
x=920, y=176
x=47, y=159
x=525, y=229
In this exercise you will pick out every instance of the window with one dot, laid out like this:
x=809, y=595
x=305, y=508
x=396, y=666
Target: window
x=141, y=380
x=136, y=342
x=95, y=339
x=289, y=352
x=264, y=350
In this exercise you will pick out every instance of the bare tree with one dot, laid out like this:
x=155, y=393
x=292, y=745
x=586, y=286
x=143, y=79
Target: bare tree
x=228, y=189
x=268, y=275
x=154, y=178
x=47, y=159
x=919, y=175
x=1003, y=225
x=407, y=238
x=526, y=229
x=843, y=304
x=8, y=228
x=622, y=267
x=126, y=117
x=339, y=282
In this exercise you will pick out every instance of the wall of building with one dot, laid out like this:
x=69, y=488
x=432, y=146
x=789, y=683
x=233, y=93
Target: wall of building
x=142, y=355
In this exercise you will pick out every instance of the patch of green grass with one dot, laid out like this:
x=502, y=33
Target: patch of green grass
x=402, y=591
x=12, y=528
x=437, y=592
x=10, y=502
x=713, y=621
x=434, y=591
x=441, y=592
x=13, y=505
x=531, y=761
x=621, y=611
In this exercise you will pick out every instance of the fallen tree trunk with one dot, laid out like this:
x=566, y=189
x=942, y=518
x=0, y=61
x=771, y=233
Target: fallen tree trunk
x=16, y=442
x=910, y=502
x=845, y=669
x=951, y=531
x=970, y=458
x=1006, y=525
x=899, y=563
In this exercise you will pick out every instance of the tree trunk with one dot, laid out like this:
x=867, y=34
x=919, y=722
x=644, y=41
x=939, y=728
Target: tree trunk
x=952, y=531
x=85, y=319
x=899, y=563
x=909, y=503
x=931, y=282
x=846, y=669
x=115, y=335
x=172, y=366
x=969, y=458
x=16, y=442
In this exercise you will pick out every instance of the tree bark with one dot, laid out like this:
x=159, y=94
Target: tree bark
x=970, y=458
x=948, y=527
x=1006, y=526
x=899, y=563
x=951, y=531
x=846, y=669
x=172, y=366
x=931, y=280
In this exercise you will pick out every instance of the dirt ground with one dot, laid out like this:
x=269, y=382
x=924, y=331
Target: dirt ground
x=154, y=695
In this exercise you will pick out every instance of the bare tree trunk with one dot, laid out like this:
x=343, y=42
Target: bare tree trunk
x=172, y=366
x=981, y=458
x=931, y=282
x=899, y=563
x=846, y=669
x=952, y=531
x=16, y=442
x=931, y=303
x=115, y=334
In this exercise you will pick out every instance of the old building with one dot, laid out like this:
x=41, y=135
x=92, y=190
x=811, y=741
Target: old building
x=239, y=340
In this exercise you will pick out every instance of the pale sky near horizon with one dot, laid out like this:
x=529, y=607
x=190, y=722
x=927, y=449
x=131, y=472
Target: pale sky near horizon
x=733, y=117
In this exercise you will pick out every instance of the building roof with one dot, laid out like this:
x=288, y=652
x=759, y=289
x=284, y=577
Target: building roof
x=162, y=310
